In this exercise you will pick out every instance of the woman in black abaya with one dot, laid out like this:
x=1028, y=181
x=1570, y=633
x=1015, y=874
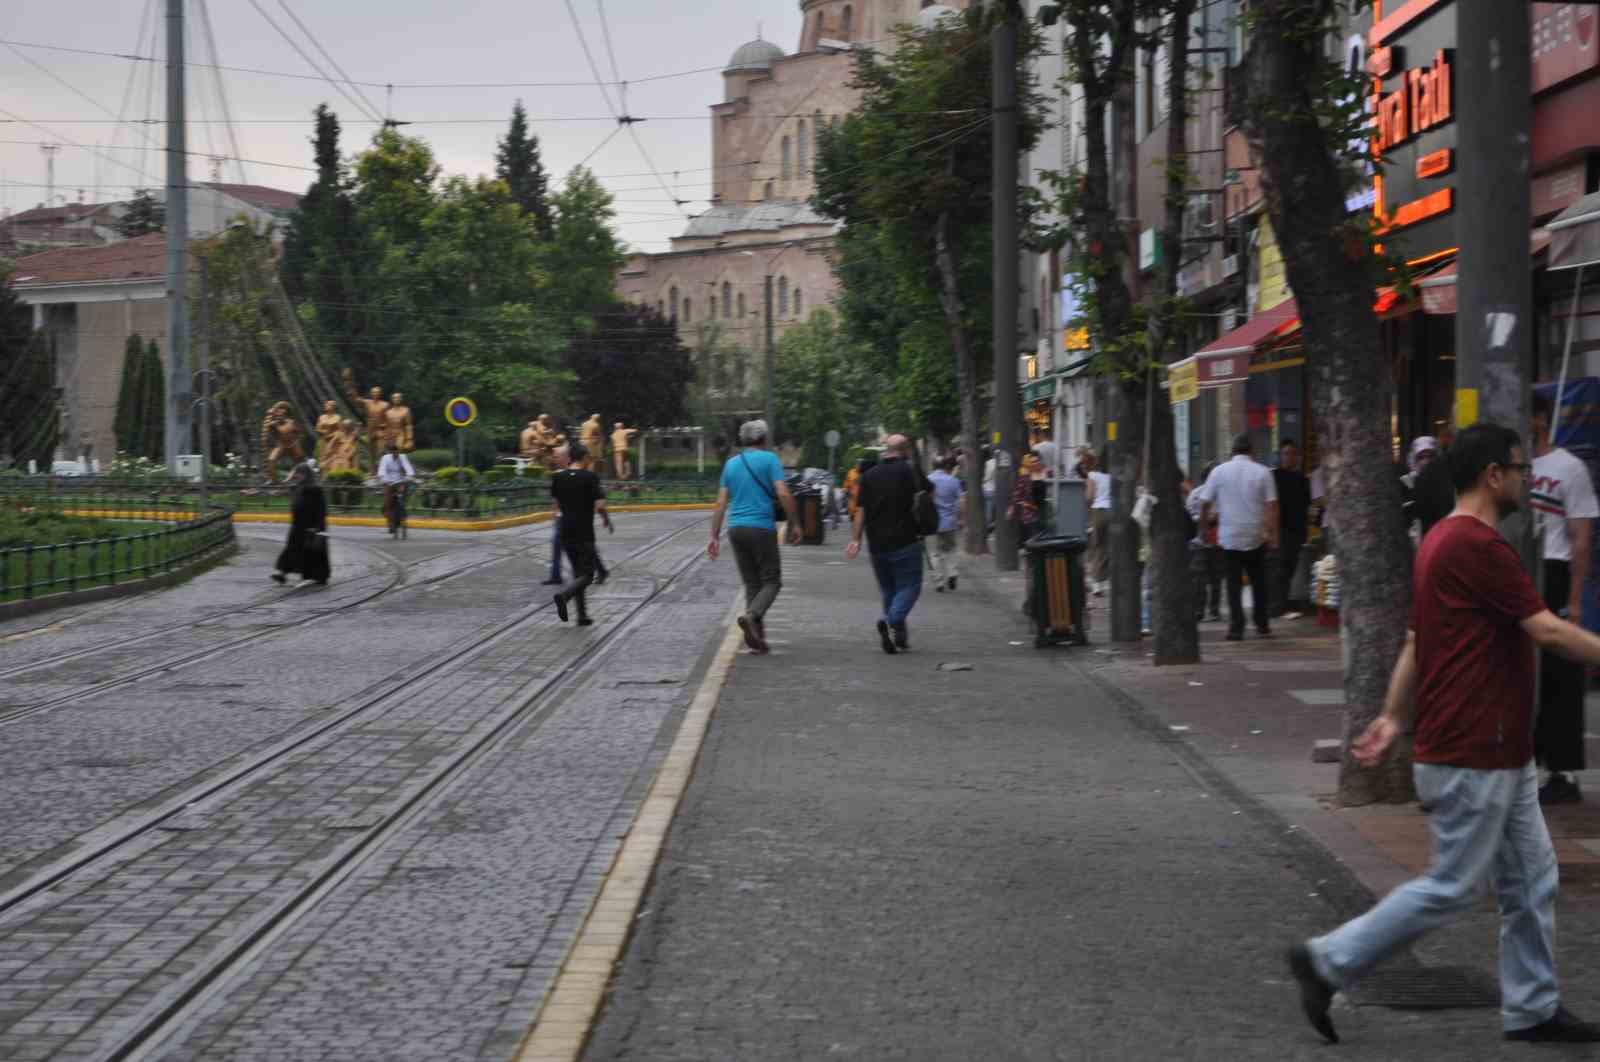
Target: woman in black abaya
x=306, y=552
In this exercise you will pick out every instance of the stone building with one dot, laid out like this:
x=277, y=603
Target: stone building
x=764, y=134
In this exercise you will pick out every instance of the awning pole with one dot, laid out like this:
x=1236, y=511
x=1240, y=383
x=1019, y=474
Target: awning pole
x=1566, y=354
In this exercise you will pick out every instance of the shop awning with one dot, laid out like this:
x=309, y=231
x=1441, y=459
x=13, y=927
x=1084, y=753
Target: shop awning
x=1251, y=334
x=1437, y=289
x=1575, y=235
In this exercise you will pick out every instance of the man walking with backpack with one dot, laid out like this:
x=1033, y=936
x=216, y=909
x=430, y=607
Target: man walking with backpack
x=889, y=517
x=752, y=492
x=580, y=497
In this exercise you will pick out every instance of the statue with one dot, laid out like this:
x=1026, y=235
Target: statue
x=592, y=434
x=340, y=449
x=621, y=438
x=327, y=424
x=280, y=440
x=374, y=407
x=398, y=419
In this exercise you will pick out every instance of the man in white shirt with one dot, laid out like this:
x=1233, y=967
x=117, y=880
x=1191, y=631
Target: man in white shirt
x=394, y=468
x=1245, y=499
x=1098, y=495
x=1563, y=502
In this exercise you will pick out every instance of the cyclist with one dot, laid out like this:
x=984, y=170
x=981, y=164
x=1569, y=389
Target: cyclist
x=395, y=473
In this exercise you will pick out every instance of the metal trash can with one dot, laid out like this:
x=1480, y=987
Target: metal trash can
x=1056, y=598
x=808, y=506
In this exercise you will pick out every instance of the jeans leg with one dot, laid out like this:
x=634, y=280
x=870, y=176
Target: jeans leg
x=1526, y=877
x=1144, y=596
x=1234, y=562
x=883, y=571
x=555, y=551
x=907, y=574
x=1260, y=589
x=1289, y=556
x=1467, y=812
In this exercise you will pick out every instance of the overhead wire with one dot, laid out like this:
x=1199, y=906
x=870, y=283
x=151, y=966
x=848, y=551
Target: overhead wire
x=222, y=90
x=312, y=63
x=315, y=43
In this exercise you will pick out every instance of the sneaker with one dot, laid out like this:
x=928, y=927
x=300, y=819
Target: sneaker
x=279, y=578
x=1560, y=790
x=561, y=607
x=585, y=621
x=884, y=639
x=952, y=583
x=939, y=589
x=557, y=581
x=752, y=635
x=1316, y=995
x=902, y=641
x=1215, y=617
x=1293, y=615
x=1562, y=1027
x=1264, y=632
x=1232, y=636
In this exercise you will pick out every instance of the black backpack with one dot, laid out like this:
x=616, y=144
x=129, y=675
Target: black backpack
x=924, y=513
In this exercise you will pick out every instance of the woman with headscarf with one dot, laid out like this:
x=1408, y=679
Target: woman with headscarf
x=306, y=551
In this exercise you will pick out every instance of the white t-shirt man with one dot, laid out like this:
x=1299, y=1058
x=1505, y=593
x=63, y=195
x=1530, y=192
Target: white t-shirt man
x=1102, y=489
x=988, y=477
x=1241, y=491
x=1048, y=456
x=1561, y=490
x=394, y=468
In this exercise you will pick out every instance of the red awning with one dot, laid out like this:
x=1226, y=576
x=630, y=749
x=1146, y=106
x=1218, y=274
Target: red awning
x=1251, y=334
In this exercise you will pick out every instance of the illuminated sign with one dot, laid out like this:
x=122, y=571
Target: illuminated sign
x=1422, y=102
x=1436, y=163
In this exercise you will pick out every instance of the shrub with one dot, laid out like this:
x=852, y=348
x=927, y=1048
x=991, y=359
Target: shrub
x=453, y=476
x=534, y=472
x=344, y=477
x=42, y=527
x=495, y=475
x=431, y=460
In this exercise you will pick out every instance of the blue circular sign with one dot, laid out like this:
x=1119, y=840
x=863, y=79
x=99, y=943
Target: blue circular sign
x=460, y=412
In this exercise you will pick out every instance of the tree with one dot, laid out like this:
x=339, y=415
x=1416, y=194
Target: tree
x=153, y=413
x=145, y=214
x=582, y=255
x=913, y=163
x=632, y=367
x=824, y=384
x=517, y=162
x=130, y=395
x=321, y=251
x=1301, y=111
x=29, y=417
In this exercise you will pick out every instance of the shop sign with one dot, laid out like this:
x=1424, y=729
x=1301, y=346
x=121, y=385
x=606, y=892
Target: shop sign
x=1564, y=42
x=1272, y=284
x=1558, y=190
x=1414, y=127
x=1183, y=381
x=1149, y=250
x=1420, y=103
x=1215, y=370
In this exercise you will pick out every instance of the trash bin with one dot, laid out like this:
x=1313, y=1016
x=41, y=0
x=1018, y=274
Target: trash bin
x=1055, y=566
x=808, y=506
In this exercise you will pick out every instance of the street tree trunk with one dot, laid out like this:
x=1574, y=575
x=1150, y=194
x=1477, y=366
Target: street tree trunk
x=966, y=385
x=1328, y=258
x=1177, y=633
x=1127, y=453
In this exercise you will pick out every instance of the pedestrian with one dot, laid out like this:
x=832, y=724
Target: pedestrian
x=1432, y=496
x=888, y=494
x=1563, y=502
x=752, y=488
x=947, y=494
x=394, y=472
x=1044, y=446
x=579, y=498
x=305, y=551
x=1463, y=686
x=1294, y=518
x=1424, y=449
x=560, y=458
x=1026, y=495
x=1241, y=492
x=989, y=466
x=1098, y=497
x=1205, y=555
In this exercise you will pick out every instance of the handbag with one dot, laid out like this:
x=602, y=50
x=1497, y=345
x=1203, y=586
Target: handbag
x=778, y=515
x=924, y=513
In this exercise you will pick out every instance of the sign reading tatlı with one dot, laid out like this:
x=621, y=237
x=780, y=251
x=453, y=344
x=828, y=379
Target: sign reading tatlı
x=1420, y=103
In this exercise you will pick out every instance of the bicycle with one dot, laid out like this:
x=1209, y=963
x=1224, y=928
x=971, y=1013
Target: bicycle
x=397, y=510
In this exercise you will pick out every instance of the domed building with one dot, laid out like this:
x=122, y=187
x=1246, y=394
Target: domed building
x=764, y=138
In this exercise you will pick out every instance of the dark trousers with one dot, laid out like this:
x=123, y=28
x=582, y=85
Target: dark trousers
x=1288, y=560
x=899, y=575
x=555, y=554
x=1205, y=565
x=1251, y=562
x=756, y=551
x=1558, y=734
x=581, y=555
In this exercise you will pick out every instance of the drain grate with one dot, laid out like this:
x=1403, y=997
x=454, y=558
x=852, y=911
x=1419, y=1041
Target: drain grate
x=1427, y=988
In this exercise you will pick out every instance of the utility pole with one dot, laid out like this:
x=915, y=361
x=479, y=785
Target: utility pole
x=1006, y=414
x=179, y=384
x=772, y=373
x=49, y=151
x=1494, y=319
x=203, y=372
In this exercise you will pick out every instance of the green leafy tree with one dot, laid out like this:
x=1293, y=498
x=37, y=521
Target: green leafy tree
x=145, y=214
x=153, y=416
x=632, y=367
x=130, y=394
x=583, y=254
x=322, y=254
x=517, y=162
x=825, y=382
x=29, y=416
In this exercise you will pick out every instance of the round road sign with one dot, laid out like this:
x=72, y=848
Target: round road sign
x=460, y=412
x=832, y=438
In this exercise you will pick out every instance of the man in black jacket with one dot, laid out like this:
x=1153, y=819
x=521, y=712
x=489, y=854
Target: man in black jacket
x=885, y=515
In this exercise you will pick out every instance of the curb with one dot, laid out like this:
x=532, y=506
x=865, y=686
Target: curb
x=428, y=523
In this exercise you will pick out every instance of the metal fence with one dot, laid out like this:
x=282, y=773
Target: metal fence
x=32, y=571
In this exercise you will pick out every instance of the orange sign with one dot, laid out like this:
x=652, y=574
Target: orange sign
x=1436, y=163
x=1420, y=103
x=1381, y=64
x=1417, y=210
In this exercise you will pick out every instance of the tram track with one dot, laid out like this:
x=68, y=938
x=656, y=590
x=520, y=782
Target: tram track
x=43, y=897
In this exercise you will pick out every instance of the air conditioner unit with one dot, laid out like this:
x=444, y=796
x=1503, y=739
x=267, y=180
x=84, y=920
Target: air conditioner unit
x=1230, y=266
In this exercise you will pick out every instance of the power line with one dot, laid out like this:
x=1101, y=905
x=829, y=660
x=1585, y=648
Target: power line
x=536, y=119
x=225, y=158
x=331, y=60
x=312, y=63
x=222, y=91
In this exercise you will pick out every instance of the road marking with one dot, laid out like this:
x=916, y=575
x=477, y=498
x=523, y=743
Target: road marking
x=570, y=1008
x=1318, y=697
x=52, y=629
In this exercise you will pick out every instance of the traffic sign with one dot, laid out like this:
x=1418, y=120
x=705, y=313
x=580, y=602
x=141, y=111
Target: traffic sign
x=460, y=412
x=831, y=439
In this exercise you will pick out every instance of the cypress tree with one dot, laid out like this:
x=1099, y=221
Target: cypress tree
x=517, y=162
x=130, y=395
x=154, y=424
x=322, y=245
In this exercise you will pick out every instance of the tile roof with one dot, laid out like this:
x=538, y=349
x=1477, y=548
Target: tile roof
x=273, y=199
x=142, y=257
x=53, y=215
x=769, y=215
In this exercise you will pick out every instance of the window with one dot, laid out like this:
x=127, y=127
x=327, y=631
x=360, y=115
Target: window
x=803, y=144
x=741, y=304
x=661, y=308
x=673, y=295
x=847, y=22
x=788, y=163
x=783, y=296
x=768, y=194
x=816, y=134
x=740, y=380
x=819, y=25
x=727, y=299
x=688, y=313
x=797, y=302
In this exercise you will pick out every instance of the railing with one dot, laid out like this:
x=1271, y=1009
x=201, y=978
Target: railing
x=32, y=571
x=502, y=498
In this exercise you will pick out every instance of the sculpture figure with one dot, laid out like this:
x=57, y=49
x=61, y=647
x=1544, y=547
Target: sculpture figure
x=280, y=440
x=527, y=442
x=538, y=441
x=398, y=419
x=327, y=424
x=374, y=407
x=621, y=439
x=340, y=449
x=592, y=434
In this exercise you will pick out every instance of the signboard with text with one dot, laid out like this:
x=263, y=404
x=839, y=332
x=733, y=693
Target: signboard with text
x=1415, y=106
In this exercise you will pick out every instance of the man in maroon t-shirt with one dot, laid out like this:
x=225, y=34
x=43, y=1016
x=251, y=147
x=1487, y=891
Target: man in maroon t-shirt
x=1467, y=670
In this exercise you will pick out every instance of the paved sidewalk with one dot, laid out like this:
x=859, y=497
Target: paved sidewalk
x=880, y=859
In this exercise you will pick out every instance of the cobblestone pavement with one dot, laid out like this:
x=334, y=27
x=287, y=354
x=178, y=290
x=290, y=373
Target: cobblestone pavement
x=879, y=859
x=439, y=944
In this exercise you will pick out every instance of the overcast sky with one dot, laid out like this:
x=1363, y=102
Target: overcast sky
x=404, y=42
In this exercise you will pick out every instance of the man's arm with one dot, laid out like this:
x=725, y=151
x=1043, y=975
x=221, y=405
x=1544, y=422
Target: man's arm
x=791, y=514
x=1398, y=707
x=1581, y=533
x=1274, y=526
x=1558, y=636
x=853, y=550
x=717, y=516
x=600, y=510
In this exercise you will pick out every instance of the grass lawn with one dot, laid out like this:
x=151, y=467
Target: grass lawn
x=44, y=552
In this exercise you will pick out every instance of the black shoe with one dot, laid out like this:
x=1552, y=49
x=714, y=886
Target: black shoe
x=1215, y=617
x=279, y=578
x=952, y=582
x=585, y=621
x=883, y=637
x=600, y=579
x=1560, y=790
x=1563, y=1027
x=902, y=640
x=752, y=635
x=1315, y=993
x=557, y=581
x=1234, y=636
x=939, y=589
x=561, y=607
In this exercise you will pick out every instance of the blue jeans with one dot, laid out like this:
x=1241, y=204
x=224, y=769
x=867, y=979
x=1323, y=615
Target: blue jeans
x=1483, y=822
x=899, y=575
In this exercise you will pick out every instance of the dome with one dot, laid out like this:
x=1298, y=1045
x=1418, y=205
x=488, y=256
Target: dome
x=757, y=55
x=929, y=16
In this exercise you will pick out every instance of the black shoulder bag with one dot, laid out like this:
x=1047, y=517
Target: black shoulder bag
x=924, y=514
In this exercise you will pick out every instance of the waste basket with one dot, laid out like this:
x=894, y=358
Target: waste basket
x=1056, y=597
x=808, y=506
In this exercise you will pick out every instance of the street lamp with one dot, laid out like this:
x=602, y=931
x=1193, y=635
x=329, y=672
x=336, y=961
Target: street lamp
x=772, y=376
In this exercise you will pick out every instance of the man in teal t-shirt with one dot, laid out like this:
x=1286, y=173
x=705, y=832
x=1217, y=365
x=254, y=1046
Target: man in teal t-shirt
x=752, y=483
